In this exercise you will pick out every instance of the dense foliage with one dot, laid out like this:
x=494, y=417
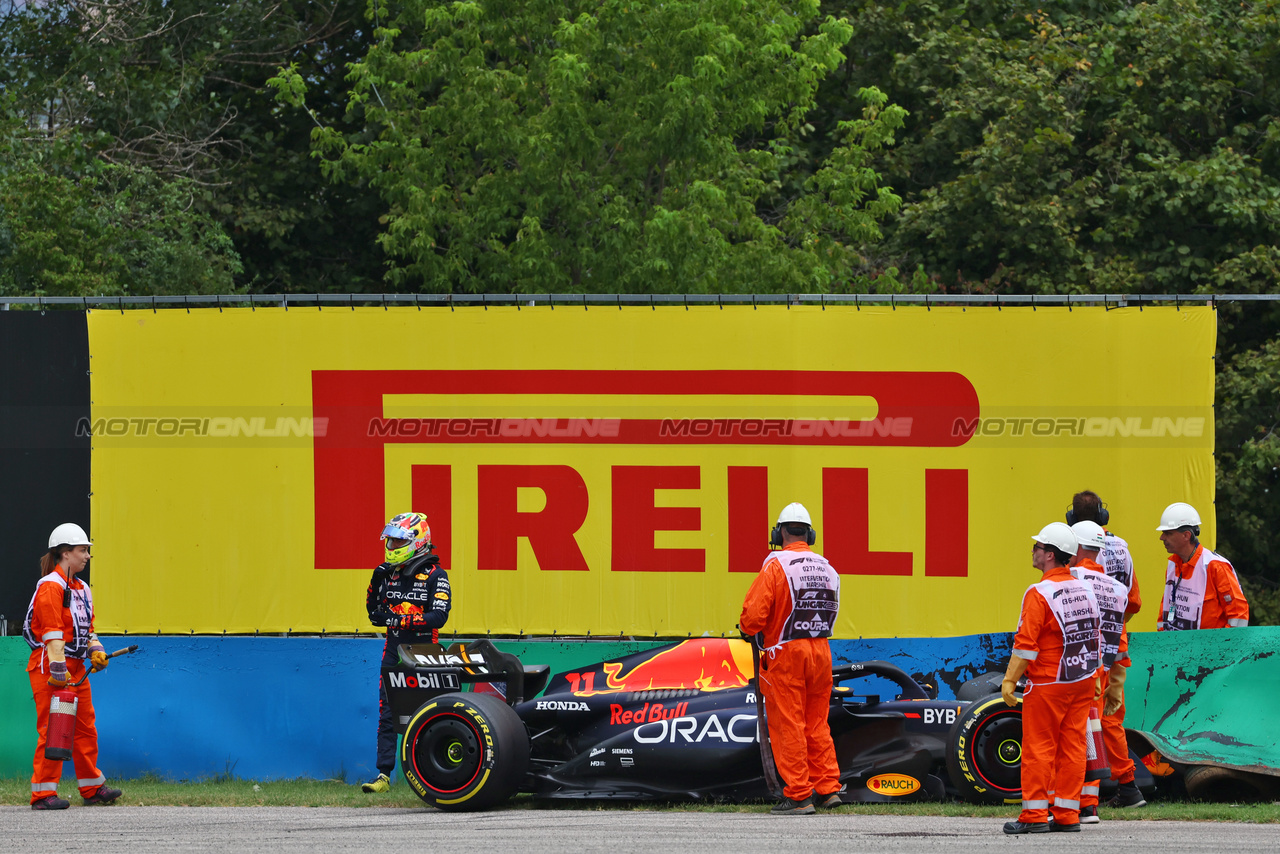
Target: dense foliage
x=173, y=146
x=1089, y=147
x=171, y=94
x=610, y=146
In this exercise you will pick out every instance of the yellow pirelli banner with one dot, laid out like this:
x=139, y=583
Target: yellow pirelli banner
x=617, y=471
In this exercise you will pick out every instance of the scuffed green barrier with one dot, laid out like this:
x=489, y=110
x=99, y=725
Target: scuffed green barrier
x=1208, y=697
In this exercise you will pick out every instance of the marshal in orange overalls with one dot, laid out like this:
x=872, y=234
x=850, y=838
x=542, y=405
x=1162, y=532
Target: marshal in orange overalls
x=1054, y=716
x=795, y=680
x=48, y=618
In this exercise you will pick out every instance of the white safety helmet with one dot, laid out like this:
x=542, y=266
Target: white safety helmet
x=1178, y=515
x=68, y=534
x=794, y=512
x=1090, y=535
x=1058, y=535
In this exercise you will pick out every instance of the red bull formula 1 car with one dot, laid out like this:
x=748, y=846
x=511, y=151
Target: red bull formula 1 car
x=681, y=722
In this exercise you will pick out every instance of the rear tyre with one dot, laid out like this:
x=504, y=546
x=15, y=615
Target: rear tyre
x=1227, y=785
x=465, y=752
x=984, y=752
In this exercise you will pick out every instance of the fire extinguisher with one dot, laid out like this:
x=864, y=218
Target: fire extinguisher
x=62, y=725
x=62, y=716
x=1097, y=765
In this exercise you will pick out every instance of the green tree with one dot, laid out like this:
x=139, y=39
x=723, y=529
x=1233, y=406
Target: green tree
x=608, y=146
x=176, y=89
x=1247, y=450
x=1091, y=146
x=71, y=226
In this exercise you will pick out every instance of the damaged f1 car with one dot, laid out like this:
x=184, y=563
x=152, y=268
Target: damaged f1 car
x=680, y=722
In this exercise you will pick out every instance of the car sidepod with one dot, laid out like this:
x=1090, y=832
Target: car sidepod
x=662, y=743
x=891, y=751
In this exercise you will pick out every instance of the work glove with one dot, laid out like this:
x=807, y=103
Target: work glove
x=1097, y=687
x=1017, y=667
x=58, y=674
x=1115, y=690
x=99, y=659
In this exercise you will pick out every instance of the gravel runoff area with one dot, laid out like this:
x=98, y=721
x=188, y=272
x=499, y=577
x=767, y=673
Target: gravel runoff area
x=143, y=830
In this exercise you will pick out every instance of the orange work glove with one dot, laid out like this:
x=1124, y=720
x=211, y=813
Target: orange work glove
x=1115, y=690
x=1017, y=667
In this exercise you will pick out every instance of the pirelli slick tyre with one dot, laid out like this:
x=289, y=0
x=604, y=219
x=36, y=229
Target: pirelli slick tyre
x=465, y=752
x=984, y=752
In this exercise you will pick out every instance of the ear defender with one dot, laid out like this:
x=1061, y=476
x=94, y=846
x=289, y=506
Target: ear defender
x=1104, y=515
x=775, y=536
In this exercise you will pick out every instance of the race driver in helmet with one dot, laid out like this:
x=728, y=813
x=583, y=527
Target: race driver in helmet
x=409, y=594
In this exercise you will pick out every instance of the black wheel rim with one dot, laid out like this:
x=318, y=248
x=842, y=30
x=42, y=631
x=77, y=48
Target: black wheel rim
x=997, y=751
x=447, y=753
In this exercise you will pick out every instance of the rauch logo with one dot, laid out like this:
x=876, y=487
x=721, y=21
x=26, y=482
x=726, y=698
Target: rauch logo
x=894, y=785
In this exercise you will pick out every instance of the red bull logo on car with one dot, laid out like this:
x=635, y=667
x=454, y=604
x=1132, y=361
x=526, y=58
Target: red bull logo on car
x=647, y=713
x=707, y=664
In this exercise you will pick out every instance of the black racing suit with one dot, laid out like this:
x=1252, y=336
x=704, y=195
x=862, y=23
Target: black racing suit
x=413, y=601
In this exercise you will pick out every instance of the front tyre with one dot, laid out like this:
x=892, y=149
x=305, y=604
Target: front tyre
x=984, y=752
x=465, y=752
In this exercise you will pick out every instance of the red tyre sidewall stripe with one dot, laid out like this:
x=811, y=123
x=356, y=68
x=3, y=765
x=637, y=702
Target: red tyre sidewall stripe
x=986, y=720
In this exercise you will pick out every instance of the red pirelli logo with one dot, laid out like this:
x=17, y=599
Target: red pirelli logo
x=913, y=409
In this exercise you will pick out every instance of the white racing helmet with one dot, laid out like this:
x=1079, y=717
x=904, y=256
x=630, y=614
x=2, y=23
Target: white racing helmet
x=1178, y=515
x=1090, y=535
x=68, y=534
x=1058, y=535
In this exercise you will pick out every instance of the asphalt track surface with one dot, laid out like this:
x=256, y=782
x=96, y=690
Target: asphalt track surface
x=152, y=830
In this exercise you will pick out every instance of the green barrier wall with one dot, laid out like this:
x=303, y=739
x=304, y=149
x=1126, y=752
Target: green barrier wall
x=1208, y=697
x=17, y=710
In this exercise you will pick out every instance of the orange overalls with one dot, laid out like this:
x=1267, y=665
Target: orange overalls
x=1054, y=716
x=49, y=620
x=795, y=681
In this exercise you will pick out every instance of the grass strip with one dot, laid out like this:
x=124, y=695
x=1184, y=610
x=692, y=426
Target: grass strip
x=230, y=792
